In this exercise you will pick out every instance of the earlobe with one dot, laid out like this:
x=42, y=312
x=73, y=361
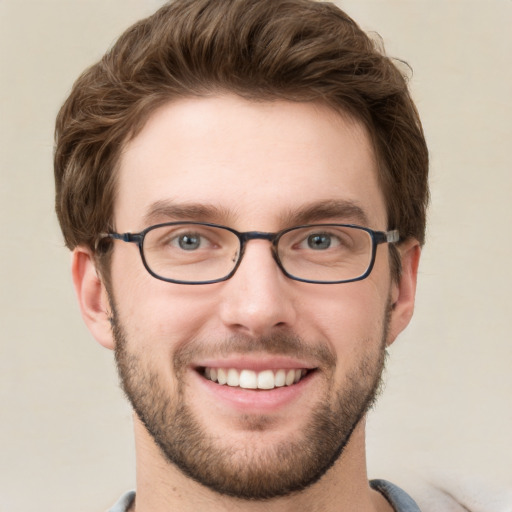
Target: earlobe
x=404, y=291
x=92, y=296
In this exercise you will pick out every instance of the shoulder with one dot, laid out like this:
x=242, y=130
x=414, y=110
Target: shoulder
x=124, y=502
x=397, y=498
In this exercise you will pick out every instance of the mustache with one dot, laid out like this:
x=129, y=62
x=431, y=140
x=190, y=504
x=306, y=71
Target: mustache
x=283, y=344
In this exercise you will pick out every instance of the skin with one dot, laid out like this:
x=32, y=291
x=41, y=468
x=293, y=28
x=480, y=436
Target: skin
x=256, y=165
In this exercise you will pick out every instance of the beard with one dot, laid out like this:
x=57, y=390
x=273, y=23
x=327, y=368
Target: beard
x=255, y=470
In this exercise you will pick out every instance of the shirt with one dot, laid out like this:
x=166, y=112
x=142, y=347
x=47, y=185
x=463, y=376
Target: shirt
x=397, y=498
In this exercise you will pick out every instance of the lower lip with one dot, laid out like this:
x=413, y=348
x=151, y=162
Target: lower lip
x=255, y=400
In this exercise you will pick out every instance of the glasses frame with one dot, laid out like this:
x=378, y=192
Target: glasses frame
x=377, y=238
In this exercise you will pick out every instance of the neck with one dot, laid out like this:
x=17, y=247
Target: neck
x=161, y=486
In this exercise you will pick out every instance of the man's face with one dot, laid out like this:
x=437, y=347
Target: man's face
x=251, y=166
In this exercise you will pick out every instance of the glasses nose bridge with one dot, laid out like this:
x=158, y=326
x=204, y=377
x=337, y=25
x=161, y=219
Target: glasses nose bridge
x=259, y=235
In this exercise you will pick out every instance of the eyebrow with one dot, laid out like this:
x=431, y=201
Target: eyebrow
x=334, y=209
x=166, y=210
x=321, y=211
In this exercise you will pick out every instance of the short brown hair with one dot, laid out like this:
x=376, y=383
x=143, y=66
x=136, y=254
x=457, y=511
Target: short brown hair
x=298, y=50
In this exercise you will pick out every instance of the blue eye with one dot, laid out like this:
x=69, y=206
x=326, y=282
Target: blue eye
x=189, y=242
x=319, y=241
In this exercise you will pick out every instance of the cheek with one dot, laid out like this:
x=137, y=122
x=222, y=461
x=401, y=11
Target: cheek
x=157, y=316
x=351, y=319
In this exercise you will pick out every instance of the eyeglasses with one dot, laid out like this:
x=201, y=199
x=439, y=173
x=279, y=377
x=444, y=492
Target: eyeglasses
x=203, y=253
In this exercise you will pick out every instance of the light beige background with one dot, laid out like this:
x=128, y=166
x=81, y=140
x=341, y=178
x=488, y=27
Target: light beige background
x=65, y=430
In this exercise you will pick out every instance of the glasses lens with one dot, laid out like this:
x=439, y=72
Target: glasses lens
x=191, y=253
x=326, y=253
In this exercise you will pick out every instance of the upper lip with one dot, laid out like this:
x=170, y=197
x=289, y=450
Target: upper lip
x=265, y=362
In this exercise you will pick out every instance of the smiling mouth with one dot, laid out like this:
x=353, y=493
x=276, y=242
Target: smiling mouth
x=250, y=379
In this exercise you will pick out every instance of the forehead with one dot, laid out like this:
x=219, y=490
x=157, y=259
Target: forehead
x=250, y=164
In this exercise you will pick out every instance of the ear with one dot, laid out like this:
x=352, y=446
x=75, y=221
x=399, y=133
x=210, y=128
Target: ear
x=92, y=296
x=404, y=291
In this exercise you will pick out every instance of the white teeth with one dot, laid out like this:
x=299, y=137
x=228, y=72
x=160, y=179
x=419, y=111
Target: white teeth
x=221, y=376
x=233, y=379
x=280, y=378
x=266, y=380
x=249, y=379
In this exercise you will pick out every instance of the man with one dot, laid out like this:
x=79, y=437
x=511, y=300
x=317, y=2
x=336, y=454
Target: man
x=268, y=162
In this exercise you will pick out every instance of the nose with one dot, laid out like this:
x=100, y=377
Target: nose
x=259, y=298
